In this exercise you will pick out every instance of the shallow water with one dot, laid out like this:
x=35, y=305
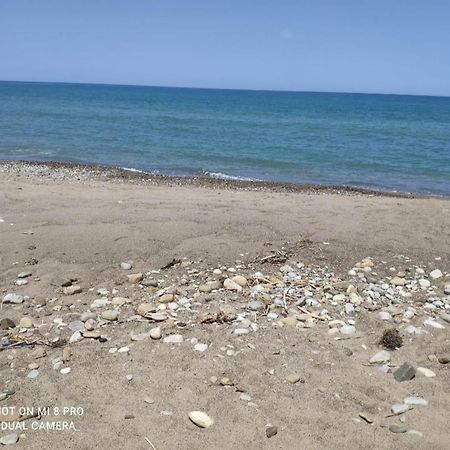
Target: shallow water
x=384, y=142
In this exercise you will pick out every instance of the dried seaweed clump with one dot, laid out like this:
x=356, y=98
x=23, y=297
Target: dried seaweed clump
x=391, y=339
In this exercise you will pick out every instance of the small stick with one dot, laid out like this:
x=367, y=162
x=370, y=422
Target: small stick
x=315, y=316
x=150, y=442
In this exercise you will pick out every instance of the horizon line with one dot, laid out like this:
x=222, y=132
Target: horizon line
x=219, y=89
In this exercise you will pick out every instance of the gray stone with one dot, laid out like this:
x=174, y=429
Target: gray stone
x=6, y=324
x=9, y=439
x=447, y=289
x=271, y=431
x=33, y=374
x=241, y=331
x=397, y=429
x=200, y=347
x=24, y=275
x=435, y=274
x=348, y=330
x=72, y=290
x=399, y=408
x=13, y=298
x=255, y=305
x=126, y=265
x=381, y=357
x=415, y=400
x=173, y=339
x=405, y=372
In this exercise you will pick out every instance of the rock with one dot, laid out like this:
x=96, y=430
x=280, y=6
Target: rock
x=231, y=285
x=9, y=439
x=76, y=325
x=119, y=301
x=89, y=325
x=75, y=337
x=255, y=305
x=100, y=302
x=13, y=298
x=405, y=372
x=155, y=333
x=166, y=298
x=444, y=359
x=397, y=429
x=205, y=288
x=33, y=374
x=91, y=334
x=65, y=370
x=399, y=408
x=348, y=330
x=200, y=347
x=425, y=372
x=289, y=320
x=397, y=281
x=135, y=278
x=435, y=274
x=241, y=331
x=25, y=322
x=445, y=317
x=424, y=284
x=432, y=323
x=381, y=357
x=240, y=280
x=6, y=324
x=173, y=339
x=384, y=315
x=271, y=431
x=416, y=401
x=150, y=282
x=126, y=265
x=201, y=419
x=447, y=289
x=24, y=275
x=157, y=317
x=71, y=290
x=110, y=314
x=144, y=308
x=293, y=378
x=123, y=350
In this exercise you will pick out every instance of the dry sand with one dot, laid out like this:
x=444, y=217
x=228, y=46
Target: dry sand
x=84, y=225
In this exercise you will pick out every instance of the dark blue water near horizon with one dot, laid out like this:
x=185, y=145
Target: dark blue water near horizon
x=386, y=142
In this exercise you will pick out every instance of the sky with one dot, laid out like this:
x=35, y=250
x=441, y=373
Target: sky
x=374, y=46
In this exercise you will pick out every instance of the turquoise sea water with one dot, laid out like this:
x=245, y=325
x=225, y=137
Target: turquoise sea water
x=385, y=142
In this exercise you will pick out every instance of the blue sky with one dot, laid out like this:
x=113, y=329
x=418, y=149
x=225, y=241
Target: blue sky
x=385, y=46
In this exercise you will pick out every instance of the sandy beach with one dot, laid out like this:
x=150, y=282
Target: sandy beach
x=66, y=226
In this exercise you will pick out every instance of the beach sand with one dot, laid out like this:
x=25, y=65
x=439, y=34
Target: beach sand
x=81, y=223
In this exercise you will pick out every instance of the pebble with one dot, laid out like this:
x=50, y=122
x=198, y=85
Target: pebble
x=241, y=331
x=13, y=298
x=245, y=397
x=33, y=374
x=397, y=281
x=432, y=323
x=293, y=378
x=435, y=274
x=6, y=324
x=425, y=372
x=384, y=315
x=447, y=289
x=25, y=322
x=348, y=330
x=397, y=429
x=135, y=278
x=24, y=275
x=111, y=314
x=405, y=372
x=231, y=285
x=399, y=408
x=155, y=333
x=415, y=400
x=76, y=337
x=72, y=290
x=65, y=370
x=85, y=316
x=271, y=431
x=200, y=347
x=9, y=439
x=173, y=339
x=123, y=350
x=381, y=357
x=126, y=265
x=240, y=280
x=201, y=419
x=166, y=298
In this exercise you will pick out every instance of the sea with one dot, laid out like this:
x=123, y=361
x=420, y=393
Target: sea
x=384, y=142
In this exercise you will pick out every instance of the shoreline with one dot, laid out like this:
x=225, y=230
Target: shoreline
x=98, y=171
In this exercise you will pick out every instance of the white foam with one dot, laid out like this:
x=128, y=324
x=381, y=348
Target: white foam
x=224, y=176
x=130, y=169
